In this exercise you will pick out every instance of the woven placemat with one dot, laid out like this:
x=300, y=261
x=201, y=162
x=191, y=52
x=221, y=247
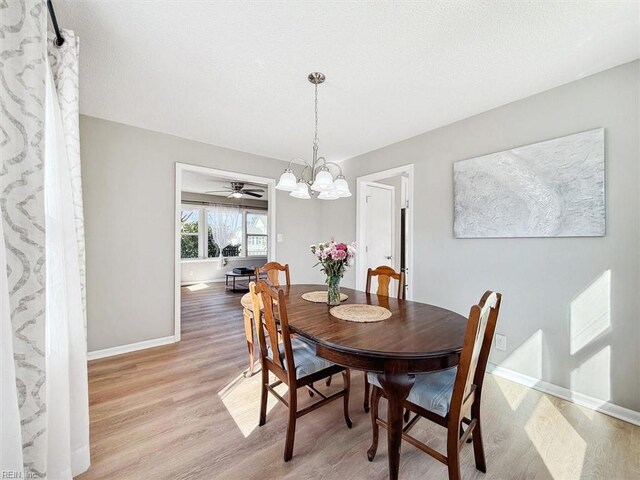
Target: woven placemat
x=360, y=313
x=320, y=296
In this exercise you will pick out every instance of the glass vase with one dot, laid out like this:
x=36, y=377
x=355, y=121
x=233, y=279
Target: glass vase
x=333, y=295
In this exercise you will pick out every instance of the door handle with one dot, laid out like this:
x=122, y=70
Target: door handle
x=388, y=257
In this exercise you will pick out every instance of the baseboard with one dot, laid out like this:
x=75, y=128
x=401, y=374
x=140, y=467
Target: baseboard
x=132, y=347
x=195, y=282
x=586, y=401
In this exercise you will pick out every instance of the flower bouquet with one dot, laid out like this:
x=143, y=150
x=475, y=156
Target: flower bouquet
x=334, y=258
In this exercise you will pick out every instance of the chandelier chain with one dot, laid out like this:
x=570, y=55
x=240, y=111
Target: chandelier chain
x=315, y=140
x=316, y=178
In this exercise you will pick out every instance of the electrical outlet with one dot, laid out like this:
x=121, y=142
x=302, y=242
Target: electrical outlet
x=501, y=342
x=279, y=237
x=191, y=273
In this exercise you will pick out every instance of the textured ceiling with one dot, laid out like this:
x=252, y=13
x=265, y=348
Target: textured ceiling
x=234, y=73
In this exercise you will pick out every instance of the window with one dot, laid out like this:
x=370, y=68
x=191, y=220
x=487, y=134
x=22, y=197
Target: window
x=244, y=232
x=225, y=227
x=256, y=225
x=189, y=233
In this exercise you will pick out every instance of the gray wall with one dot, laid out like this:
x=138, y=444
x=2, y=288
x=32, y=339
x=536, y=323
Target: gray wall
x=129, y=179
x=128, y=176
x=538, y=277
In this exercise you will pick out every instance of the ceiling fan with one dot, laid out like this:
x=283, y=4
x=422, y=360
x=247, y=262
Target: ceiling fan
x=237, y=190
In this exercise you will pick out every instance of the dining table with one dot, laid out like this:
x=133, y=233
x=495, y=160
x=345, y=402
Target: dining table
x=416, y=338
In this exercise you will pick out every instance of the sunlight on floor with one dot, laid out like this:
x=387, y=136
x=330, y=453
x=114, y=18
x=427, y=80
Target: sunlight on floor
x=590, y=312
x=512, y=392
x=527, y=360
x=197, y=286
x=562, y=452
x=593, y=376
x=241, y=397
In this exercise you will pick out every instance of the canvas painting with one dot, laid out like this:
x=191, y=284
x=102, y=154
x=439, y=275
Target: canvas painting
x=548, y=189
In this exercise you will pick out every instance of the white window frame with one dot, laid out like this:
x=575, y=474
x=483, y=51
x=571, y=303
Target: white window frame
x=246, y=233
x=203, y=229
x=186, y=206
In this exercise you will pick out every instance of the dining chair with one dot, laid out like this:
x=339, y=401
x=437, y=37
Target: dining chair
x=292, y=361
x=272, y=270
x=384, y=275
x=447, y=396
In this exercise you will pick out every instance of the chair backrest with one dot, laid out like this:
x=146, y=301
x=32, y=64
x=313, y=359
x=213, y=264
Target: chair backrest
x=385, y=274
x=475, y=350
x=272, y=300
x=273, y=269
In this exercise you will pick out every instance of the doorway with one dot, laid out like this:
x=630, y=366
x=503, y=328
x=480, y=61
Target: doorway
x=384, y=230
x=378, y=247
x=224, y=221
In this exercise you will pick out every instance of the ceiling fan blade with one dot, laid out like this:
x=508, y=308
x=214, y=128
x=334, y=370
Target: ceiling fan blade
x=252, y=190
x=251, y=194
x=217, y=191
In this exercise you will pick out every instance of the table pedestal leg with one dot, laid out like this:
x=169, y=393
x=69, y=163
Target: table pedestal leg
x=396, y=385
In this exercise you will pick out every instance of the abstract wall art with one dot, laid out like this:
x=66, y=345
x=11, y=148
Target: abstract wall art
x=549, y=189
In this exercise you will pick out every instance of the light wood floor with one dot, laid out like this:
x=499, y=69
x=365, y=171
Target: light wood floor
x=184, y=411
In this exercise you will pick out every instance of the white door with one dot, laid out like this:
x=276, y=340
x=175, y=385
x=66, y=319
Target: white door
x=380, y=224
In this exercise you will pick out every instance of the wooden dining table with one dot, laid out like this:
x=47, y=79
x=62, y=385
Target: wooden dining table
x=417, y=338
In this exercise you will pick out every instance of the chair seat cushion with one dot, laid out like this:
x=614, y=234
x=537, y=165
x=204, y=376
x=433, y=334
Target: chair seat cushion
x=304, y=357
x=431, y=391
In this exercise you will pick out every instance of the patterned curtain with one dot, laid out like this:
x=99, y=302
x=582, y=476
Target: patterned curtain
x=44, y=424
x=66, y=339
x=64, y=67
x=22, y=94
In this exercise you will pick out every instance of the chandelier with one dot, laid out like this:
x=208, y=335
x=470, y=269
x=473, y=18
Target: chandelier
x=315, y=175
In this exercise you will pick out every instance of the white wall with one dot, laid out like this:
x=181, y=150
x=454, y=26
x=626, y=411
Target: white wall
x=542, y=279
x=198, y=271
x=129, y=180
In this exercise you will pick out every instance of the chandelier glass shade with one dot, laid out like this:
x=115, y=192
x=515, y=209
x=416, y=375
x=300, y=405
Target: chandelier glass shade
x=287, y=181
x=302, y=191
x=315, y=175
x=323, y=182
x=328, y=195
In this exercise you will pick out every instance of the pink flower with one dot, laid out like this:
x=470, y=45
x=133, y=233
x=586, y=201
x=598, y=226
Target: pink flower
x=339, y=255
x=341, y=246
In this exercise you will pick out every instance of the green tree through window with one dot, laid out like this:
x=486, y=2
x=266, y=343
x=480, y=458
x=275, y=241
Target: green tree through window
x=249, y=234
x=189, y=220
